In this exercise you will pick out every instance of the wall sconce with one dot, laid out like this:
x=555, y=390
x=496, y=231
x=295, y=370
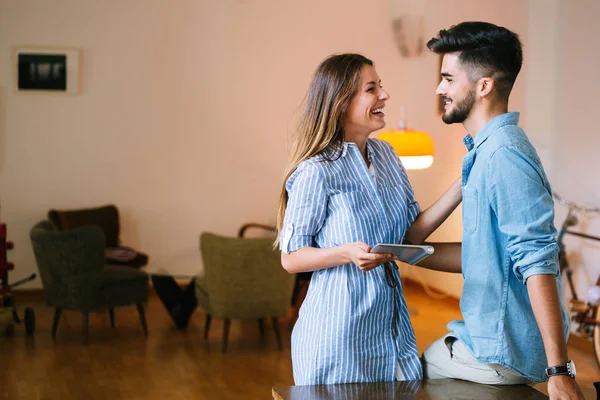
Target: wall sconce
x=409, y=35
x=415, y=148
x=408, y=26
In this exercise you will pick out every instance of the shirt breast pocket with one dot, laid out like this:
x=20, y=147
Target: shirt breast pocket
x=470, y=209
x=350, y=217
x=395, y=200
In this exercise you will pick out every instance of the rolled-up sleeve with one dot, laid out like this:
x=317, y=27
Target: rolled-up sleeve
x=306, y=208
x=525, y=211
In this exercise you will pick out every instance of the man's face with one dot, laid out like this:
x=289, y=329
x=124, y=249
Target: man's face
x=456, y=89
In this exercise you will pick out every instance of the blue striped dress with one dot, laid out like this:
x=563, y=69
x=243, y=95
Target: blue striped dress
x=352, y=326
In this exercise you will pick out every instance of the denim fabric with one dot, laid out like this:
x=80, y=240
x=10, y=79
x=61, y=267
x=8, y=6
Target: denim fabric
x=509, y=235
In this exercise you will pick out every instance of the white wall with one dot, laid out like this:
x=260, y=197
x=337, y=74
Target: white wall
x=577, y=162
x=561, y=107
x=186, y=107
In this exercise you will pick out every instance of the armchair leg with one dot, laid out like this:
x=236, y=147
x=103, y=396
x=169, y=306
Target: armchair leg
x=261, y=326
x=207, y=326
x=57, y=312
x=140, y=309
x=111, y=312
x=277, y=333
x=226, y=324
x=85, y=326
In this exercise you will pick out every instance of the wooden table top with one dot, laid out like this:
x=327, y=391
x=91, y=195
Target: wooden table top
x=438, y=389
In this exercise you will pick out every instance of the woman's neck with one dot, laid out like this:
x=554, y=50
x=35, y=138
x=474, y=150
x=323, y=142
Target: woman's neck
x=361, y=143
x=362, y=147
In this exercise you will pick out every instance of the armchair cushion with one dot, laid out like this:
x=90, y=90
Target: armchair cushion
x=124, y=286
x=114, y=274
x=116, y=255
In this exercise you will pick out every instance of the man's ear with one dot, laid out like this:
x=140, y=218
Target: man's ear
x=485, y=86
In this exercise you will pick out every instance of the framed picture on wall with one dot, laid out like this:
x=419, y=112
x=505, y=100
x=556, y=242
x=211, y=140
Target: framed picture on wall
x=46, y=69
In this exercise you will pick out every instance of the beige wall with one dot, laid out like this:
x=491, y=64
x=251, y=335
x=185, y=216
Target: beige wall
x=186, y=106
x=563, y=121
x=577, y=167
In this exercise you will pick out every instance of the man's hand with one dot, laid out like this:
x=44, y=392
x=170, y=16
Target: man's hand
x=358, y=253
x=545, y=303
x=563, y=387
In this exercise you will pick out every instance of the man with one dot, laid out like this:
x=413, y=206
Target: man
x=515, y=326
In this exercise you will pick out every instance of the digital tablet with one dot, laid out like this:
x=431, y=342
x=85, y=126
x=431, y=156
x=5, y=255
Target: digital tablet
x=409, y=253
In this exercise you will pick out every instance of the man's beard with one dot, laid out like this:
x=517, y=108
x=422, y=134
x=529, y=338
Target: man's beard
x=461, y=109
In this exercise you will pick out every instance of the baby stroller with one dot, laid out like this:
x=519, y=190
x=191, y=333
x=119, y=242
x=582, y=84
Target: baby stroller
x=8, y=312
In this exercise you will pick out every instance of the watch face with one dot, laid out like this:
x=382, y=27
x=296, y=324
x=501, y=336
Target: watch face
x=572, y=369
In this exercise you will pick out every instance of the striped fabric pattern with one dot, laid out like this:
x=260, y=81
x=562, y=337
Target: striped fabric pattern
x=352, y=327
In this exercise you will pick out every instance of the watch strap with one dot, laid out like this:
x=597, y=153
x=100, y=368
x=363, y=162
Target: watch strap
x=563, y=369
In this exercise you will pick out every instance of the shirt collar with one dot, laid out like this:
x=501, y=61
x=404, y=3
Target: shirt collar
x=370, y=150
x=511, y=118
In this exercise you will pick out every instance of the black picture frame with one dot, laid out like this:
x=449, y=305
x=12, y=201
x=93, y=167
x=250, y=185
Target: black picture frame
x=42, y=72
x=49, y=70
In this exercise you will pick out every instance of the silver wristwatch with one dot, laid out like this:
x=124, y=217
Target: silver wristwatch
x=563, y=369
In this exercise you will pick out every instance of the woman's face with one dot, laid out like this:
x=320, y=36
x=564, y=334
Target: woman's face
x=364, y=114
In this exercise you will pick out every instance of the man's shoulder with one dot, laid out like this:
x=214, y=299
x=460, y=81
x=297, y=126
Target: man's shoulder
x=513, y=139
x=509, y=135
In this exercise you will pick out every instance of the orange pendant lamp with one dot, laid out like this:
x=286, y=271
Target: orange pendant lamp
x=415, y=148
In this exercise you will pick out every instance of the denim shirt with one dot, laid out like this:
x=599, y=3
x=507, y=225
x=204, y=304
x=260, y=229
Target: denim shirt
x=508, y=236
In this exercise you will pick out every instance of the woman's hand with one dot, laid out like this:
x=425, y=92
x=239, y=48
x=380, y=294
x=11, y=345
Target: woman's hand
x=309, y=258
x=358, y=253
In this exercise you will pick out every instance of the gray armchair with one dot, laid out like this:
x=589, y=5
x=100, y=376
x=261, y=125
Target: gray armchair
x=243, y=279
x=75, y=277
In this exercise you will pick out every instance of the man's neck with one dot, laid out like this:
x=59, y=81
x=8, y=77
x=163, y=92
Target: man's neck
x=480, y=117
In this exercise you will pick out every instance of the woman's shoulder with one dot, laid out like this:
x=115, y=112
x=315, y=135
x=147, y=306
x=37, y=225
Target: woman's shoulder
x=322, y=162
x=381, y=146
x=386, y=153
x=322, y=166
x=311, y=168
x=315, y=164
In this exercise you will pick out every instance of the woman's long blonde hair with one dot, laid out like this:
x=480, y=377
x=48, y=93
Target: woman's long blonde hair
x=320, y=130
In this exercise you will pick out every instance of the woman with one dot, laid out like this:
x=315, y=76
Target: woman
x=344, y=193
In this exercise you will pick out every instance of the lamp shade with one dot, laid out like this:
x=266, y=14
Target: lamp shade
x=415, y=148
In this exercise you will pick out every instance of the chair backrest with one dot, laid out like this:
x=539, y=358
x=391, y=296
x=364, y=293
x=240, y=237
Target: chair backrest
x=244, y=277
x=106, y=217
x=70, y=264
x=265, y=230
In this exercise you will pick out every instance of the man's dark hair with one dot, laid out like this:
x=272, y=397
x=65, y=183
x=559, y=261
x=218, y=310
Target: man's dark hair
x=486, y=50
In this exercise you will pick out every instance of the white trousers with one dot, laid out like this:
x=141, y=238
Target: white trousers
x=448, y=357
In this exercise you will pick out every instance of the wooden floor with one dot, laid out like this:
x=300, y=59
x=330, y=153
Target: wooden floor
x=121, y=363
